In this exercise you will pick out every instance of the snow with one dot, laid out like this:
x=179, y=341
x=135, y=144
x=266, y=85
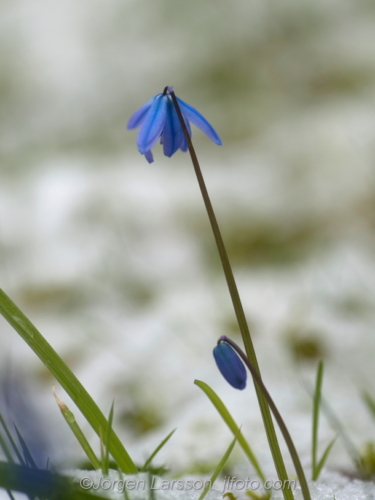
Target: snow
x=331, y=485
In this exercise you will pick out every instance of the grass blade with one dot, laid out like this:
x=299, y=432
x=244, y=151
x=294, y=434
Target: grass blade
x=157, y=449
x=9, y=457
x=347, y=442
x=105, y=467
x=10, y=495
x=317, y=466
x=370, y=402
x=322, y=461
x=65, y=377
x=12, y=442
x=218, y=468
x=338, y=427
x=228, y=419
x=77, y=431
x=5, y=449
x=7, y=453
x=26, y=452
x=315, y=420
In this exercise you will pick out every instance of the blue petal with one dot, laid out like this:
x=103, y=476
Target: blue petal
x=199, y=121
x=153, y=124
x=149, y=156
x=138, y=117
x=230, y=365
x=173, y=134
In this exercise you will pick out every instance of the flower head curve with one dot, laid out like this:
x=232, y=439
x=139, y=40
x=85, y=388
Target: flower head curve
x=158, y=118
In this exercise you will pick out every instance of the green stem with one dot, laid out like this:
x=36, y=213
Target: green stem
x=77, y=431
x=288, y=439
x=242, y=323
x=315, y=420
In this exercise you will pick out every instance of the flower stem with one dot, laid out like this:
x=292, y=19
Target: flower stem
x=241, y=319
x=288, y=439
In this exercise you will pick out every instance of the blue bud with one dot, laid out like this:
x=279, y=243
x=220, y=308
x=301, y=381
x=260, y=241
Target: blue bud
x=230, y=365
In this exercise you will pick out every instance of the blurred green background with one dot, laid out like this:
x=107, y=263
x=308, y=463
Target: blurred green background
x=113, y=258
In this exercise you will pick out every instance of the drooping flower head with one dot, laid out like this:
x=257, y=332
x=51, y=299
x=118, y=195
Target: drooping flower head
x=158, y=119
x=230, y=365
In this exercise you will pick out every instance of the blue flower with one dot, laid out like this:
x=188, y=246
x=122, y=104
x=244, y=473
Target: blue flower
x=230, y=365
x=158, y=119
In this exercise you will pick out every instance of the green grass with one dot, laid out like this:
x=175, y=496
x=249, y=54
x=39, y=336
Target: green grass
x=147, y=464
x=219, y=468
x=228, y=419
x=370, y=403
x=77, y=431
x=66, y=378
x=21, y=452
x=105, y=444
x=26, y=477
x=317, y=465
